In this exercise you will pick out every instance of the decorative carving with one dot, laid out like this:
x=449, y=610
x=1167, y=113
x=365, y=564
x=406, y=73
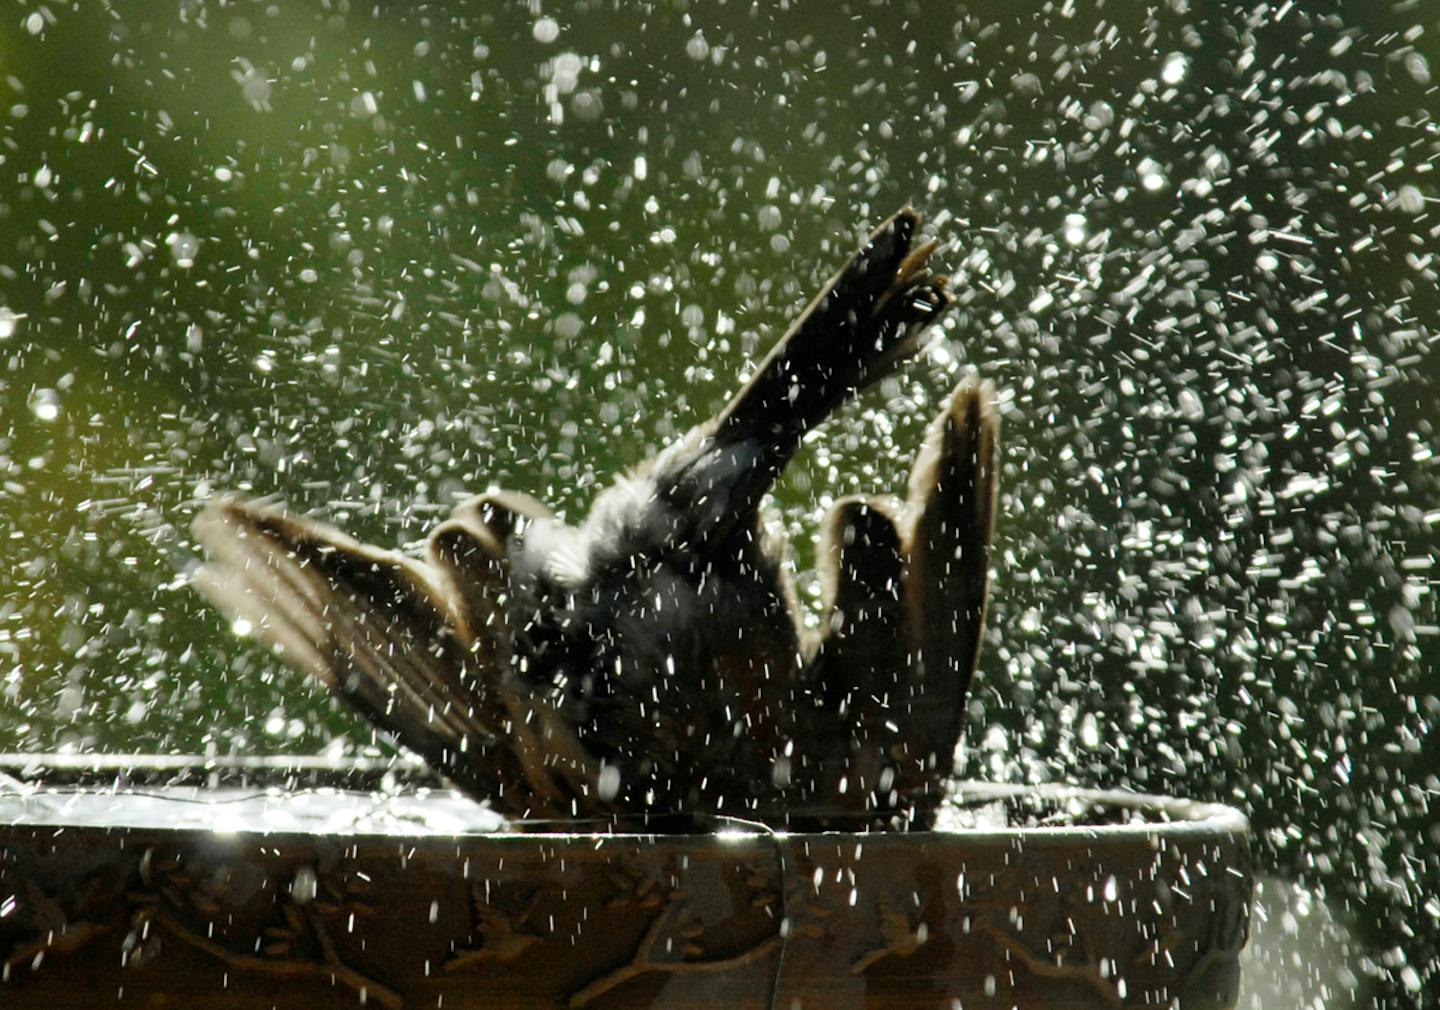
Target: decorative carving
x=902, y=934
x=1086, y=969
x=500, y=917
x=805, y=913
x=673, y=930
x=634, y=886
x=42, y=922
x=674, y=942
x=297, y=942
x=1225, y=932
x=1060, y=952
x=569, y=921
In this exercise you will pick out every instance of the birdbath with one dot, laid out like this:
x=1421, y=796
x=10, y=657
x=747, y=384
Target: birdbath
x=254, y=884
x=645, y=671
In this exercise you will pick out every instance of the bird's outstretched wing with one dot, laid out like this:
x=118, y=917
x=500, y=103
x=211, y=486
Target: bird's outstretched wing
x=419, y=648
x=905, y=614
x=867, y=321
x=859, y=661
x=953, y=489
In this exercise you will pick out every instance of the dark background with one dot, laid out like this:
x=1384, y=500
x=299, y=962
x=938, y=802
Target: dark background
x=370, y=258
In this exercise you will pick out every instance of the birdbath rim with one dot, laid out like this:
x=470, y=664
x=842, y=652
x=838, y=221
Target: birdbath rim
x=1033, y=813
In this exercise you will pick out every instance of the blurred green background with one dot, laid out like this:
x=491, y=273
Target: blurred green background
x=368, y=258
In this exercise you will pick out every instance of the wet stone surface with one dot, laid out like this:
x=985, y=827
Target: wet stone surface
x=266, y=903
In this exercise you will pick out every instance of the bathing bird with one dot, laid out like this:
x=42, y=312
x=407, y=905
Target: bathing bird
x=652, y=662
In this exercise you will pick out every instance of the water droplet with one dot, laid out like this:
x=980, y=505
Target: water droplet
x=45, y=404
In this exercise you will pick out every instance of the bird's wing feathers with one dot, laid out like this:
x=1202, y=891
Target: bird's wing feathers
x=865, y=322
x=400, y=640
x=905, y=612
x=472, y=561
x=860, y=659
x=947, y=563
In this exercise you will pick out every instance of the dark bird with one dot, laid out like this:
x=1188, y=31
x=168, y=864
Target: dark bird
x=651, y=661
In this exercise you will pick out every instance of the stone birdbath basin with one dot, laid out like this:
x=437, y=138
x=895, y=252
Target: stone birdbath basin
x=181, y=882
x=645, y=665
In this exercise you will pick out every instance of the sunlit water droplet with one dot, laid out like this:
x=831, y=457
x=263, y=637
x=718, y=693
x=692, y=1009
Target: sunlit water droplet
x=183, y=247
x=1174, y=69
x=1151, y=176
x=1089, y=731
x=45, y=404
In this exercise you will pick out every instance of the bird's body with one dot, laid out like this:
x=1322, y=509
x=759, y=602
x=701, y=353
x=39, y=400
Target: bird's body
x=650, y=660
